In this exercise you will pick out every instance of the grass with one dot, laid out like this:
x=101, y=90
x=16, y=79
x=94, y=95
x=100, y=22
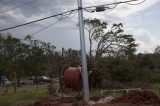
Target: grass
x=12, y=98
x=97, y=93
x=156, y=88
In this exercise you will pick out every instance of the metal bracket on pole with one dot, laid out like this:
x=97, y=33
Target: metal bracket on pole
x=83, y=53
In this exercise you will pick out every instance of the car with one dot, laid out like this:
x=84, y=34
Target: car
x=4, y=80
x=45, y=79
x=8, y=83
x=26, y=82
x=41, y=79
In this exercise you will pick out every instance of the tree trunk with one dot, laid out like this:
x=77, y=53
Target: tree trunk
x=15, y=82
x=36, y=79
x=90, y=49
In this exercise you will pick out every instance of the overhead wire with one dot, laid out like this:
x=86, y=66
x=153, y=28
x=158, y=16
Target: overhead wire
x=137, y=3
x=106, y=7
x=37, y=20
x=45, y=28
x=89, y=10
x=70, y=11
x=24, y=4
x=73, y=15
x=112, y=7
x=3, y=3
x=59, y=19
x=109, y=4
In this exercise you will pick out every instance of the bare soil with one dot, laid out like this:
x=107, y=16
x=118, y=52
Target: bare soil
x=133, y=98
x=138, y=97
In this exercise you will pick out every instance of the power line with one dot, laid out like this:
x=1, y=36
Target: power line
x=109, y=4
x=37, y=20
x=3, y=3
x=59, y=19
x=137, y=3
x=18, y=6
x=70, y=11
x=45, y=27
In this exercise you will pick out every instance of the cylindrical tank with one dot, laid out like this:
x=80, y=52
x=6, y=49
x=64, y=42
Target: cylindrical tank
x=73, y=78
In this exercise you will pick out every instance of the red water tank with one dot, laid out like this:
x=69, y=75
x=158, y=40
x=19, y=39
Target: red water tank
x=73, y=78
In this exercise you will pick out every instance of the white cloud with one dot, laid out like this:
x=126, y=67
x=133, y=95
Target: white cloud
x=124, y=10
x=123, y=13
x=147, y=41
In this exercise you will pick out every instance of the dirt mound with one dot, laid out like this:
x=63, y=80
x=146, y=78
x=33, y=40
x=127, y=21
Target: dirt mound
x=49, y=101
x=46, y=101
x=138, y=97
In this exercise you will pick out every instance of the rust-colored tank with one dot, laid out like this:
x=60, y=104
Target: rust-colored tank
x=73, y=78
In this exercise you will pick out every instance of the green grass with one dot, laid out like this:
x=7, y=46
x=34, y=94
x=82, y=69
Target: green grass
x=97, y=93
x=12, y=98
x=156, y=89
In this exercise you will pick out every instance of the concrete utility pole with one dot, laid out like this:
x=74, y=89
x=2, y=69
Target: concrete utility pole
x=83, y=53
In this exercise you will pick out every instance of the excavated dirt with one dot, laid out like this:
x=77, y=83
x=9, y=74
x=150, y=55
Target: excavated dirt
x=133, y=98
x=67, y=101
x=49, y=101
x=138, y=97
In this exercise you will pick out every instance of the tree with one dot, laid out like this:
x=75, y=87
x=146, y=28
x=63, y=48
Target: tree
x=95, y=28
x=113, y=47
x=111, y=42
x=115, y=42
x=72, y=58
x=157, y=50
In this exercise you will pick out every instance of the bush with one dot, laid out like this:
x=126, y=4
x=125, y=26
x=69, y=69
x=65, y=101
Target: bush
x=122, y=74
x=97, y=79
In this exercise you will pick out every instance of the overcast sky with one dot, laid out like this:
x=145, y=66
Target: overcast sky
x=142, y=21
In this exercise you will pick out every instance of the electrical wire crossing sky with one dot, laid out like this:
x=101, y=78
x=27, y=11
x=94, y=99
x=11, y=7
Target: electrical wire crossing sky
x=36, y=17
x=70, y=11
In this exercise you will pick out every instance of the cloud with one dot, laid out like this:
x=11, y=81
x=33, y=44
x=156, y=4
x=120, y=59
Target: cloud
x=147, y=41
x=124, y=10
x=42, y=8
x=122, y=13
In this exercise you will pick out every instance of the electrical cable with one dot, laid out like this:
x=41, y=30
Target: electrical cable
x=73, y=15
x=116, y=4
x=3, y=3
x=24, y=4
x=112, y=7
x=37, y=20
x=61, y=14
x=137, y=3
x=45, y=27
x=91, y=10
x=106, y=7
x=59, y=19
x=6, y=13
x=122, y=2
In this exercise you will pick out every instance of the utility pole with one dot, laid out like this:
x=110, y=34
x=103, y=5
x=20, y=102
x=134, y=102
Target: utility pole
x=83, y=53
